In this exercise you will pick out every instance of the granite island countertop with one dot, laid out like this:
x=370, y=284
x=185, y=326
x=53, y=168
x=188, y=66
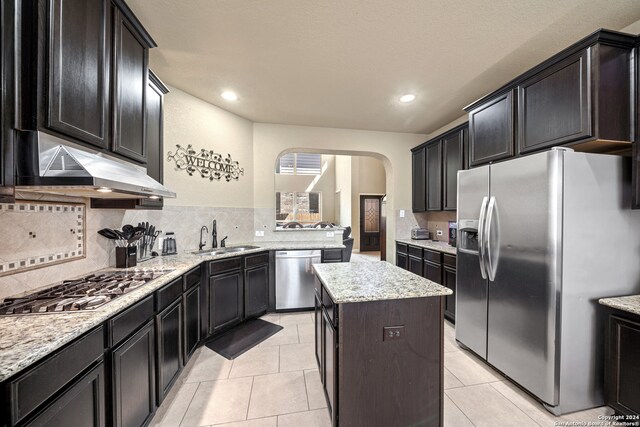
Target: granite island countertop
x=25, y=339
x=443, y=247
x=630, y=303
x=374, y=281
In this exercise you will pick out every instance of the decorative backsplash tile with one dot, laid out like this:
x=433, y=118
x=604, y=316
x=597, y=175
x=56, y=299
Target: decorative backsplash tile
x=38, y=234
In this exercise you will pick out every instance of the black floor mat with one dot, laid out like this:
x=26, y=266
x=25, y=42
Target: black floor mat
x=243, y=338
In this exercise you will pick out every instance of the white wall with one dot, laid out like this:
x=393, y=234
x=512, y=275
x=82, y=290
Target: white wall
x=190, y=120
x=343, y=189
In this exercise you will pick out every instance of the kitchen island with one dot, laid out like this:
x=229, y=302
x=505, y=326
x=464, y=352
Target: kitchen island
x=379, y=344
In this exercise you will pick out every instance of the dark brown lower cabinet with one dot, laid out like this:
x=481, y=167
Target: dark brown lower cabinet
x=433, y=271
x=449, y=280
x=415, y=265
x=225, y=300
x=330, y=368
x=84, y=401
x=191, y=307
x=169, y=346
x=134, y=384
x=622, y=372
x=402, y=260
x=256, y=290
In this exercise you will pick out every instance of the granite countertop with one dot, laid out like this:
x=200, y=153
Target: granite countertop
x=374, y=281
x=630, y=303
x=25, y=339
x=430, y=244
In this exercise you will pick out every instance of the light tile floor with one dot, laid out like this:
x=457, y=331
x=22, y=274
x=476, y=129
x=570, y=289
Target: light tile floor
x=276, y=384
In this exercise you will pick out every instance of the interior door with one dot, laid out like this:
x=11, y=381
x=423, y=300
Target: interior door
x=370, y=213
x=523, y=232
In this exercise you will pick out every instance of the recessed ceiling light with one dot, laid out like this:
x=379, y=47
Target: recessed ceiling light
x=407, y=98
x=229, y=96
x=104, y=190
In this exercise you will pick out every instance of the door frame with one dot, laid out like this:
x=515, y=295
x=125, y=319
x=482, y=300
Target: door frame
x=361, y=225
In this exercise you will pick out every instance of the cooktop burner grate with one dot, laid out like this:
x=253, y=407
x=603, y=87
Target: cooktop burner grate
x=85, y=293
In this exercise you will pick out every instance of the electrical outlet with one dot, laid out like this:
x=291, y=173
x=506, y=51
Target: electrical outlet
x=331, y=233
x=392, y=333
x=439, y=233
x=401, y=213
x=259, y=233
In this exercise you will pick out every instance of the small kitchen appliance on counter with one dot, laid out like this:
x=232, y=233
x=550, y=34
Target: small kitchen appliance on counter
x=420, y=234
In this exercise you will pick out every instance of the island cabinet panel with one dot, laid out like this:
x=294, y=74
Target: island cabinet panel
x=330, y=368
x=403, y=383
x=77, y=84
x=622, y=374
x=491, y=131
x=319, y=335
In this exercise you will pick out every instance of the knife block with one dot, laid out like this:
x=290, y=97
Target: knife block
x=126, y=257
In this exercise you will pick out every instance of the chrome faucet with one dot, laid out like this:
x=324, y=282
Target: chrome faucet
x=202, y=242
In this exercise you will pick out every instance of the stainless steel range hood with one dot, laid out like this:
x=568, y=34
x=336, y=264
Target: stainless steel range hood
x=59, y=167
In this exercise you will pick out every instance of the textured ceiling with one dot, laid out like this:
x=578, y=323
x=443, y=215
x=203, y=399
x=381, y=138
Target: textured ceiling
x=344, y=63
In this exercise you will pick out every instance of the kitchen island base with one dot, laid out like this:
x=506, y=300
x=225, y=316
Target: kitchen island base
x=381, y=362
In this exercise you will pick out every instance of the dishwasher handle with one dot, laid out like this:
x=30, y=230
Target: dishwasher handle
x=287, y=256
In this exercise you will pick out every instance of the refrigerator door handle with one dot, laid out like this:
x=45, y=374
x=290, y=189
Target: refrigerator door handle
x=491, y=250
x=481, y=237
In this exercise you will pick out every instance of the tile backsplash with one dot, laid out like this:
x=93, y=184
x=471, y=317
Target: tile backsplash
x=185, y=221
x=432, y=221
x=36, y=234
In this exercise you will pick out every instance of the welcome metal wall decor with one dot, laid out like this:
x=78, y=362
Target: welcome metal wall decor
x=207, y=163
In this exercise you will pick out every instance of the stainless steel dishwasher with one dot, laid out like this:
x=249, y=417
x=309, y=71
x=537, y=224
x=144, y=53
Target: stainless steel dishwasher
x=294, y=279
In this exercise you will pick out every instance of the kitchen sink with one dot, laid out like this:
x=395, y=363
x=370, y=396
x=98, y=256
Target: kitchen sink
x=221, y=251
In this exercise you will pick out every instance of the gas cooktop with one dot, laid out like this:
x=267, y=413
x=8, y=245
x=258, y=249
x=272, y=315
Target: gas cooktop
x=86, y=293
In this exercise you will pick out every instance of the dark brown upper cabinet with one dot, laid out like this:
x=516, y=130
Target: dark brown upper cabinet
x=433, y=158
x=154, y=129
x=129, y=89
x=418, y=180
x=581, y=97
x=81, y=74
x=584, y=97
x=636, y=144
x=554, y=106
x=78, y=58
x=7, y=70
x=435, y=170
x=491, y=132
x=453, y=148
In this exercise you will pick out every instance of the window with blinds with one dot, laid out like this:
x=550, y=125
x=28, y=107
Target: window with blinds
x=300, y=164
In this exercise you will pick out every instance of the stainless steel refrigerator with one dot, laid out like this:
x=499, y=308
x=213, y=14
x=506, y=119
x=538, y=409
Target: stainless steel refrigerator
x=540, y=239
